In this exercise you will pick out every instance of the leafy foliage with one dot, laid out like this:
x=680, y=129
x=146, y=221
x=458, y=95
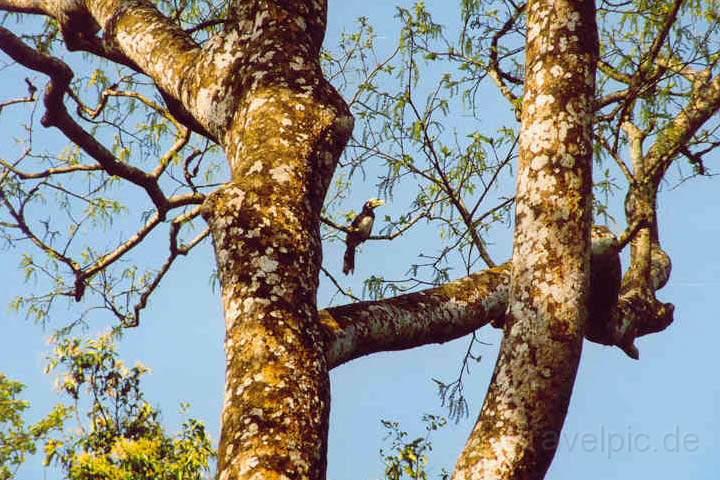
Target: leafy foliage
x=443, y=173
x=18, y=440
x=421, y=132
x=122, y=437
x=409, y=458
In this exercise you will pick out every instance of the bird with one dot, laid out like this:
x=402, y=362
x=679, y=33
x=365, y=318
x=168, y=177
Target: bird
x=359, y=231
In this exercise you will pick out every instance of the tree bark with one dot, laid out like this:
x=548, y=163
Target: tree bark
x=517, y=432
x=283, y=144
x=257, y=89
x=435, y=315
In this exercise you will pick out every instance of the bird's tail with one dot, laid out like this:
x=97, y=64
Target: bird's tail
x=349, y=260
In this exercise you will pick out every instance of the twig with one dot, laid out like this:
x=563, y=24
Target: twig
x=337, y=285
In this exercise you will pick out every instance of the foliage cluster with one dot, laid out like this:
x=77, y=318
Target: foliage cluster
x=118, y=436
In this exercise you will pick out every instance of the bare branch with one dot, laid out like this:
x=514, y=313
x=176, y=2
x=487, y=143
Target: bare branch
x=175, y=251
x=19, y=216
x=446, y=185
x=111, y=257
x=495, y=72
x=29, y=99
x=704, y=103
x=334, y=281
x=56, y=115
x=50, y=171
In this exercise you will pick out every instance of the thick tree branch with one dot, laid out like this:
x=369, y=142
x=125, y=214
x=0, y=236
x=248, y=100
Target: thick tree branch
x=517, y=432
x=444, y=313
x=138, y=36
x=160, y=48
x=436, y=315
x=23, y=6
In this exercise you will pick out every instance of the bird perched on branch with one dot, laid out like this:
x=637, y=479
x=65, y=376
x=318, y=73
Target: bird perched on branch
x=359, y=231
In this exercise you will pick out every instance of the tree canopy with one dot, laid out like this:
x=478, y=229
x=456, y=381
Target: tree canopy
x=146, y=129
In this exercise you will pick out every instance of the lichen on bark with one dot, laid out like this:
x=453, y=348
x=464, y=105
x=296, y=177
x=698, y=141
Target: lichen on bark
x=283, y=143
x=257, y=89
x=517, y=431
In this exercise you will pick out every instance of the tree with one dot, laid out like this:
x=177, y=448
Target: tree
x=245, y=77
x=122, y=437
x=17, y=440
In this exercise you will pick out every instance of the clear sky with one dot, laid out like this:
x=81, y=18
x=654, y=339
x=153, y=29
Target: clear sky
x=655, y=418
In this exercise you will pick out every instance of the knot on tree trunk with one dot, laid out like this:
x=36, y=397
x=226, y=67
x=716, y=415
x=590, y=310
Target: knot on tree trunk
x=622, y=310
x=76, y=23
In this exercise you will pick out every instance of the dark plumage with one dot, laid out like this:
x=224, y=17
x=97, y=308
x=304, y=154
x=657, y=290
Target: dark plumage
x=359, y=231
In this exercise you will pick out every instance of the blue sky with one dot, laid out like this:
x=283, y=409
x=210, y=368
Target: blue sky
x=656, y=418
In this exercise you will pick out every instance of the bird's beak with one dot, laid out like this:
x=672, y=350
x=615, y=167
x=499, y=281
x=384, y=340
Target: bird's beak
x=376, y=202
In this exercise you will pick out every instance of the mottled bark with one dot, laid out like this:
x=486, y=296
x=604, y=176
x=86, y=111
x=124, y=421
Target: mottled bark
x=516, y=434
x=283, y=144
x=257, y=89
x=447, y=312
x=638, y=311
x=436, y=315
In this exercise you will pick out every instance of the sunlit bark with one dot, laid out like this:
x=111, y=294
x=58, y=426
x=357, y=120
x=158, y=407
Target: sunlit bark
x=283, y=143
x=257, y=89
x=517, y=431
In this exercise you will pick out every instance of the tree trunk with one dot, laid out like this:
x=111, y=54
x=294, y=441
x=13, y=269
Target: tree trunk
x=283, y=145
x=257, y=89
x=518, y=429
